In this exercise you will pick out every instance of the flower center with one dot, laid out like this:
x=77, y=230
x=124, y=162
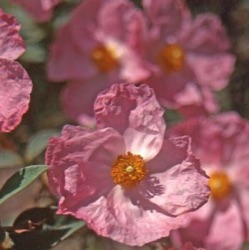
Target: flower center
x=128, y=170
x=104, y=58
x=220, y=185
x=171, y=58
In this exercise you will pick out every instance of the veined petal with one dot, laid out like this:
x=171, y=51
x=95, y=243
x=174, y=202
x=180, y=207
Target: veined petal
x=180, y=189
x=63, y=152
x=120, y=106
x=127, y=223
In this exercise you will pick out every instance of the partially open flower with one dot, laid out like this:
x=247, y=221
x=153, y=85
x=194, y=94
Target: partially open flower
x=124, y=179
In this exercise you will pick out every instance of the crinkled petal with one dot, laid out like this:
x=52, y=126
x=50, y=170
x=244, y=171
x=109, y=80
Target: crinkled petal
x=180, y=189
x=11, y=43
x=127, y=223
x=65, y=151
x=120, y=106
x=93, y=178
x=67, y=60
x=40, y=10
x=15, y=88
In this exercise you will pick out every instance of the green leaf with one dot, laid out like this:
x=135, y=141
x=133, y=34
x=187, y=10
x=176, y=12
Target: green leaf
x=21, y=179
x=10, y=159
x=38, y=143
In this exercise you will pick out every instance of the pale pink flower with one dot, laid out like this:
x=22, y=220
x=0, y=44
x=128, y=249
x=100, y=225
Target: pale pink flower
x=221, y=142
x=124, y=179
x=98, y=46
x=15, y=84
x=189, y=57
x=40, y=10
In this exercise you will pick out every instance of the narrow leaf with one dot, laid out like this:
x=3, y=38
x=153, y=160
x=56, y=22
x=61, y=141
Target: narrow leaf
x=21, y=179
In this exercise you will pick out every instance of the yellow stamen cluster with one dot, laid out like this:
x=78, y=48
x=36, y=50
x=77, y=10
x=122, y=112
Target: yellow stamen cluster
x=171, y=58
x=220, y=185
x=128, y=170
x=104, y=59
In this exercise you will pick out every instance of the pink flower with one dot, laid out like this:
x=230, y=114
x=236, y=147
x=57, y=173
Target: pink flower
x=124, y=179
x=98, y=46
x=40, y=10
x=221, y=142
x=15, y=84
x=185, y=55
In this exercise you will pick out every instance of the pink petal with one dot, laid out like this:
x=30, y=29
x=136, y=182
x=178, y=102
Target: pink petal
x=114, y=19
x=11, y=43
x=84, y=26
x=170, y=14
x=208, y=70
x=92, y=177
x=119, y=107
x=182, y=188
x=40, y=10
x=78, y=97
x=173, y=152
x=127, y=223
x=206, y=35
x=142, y=143
x=226, y=232
x=181, y=91
x=67, y=151
x=15, y=91
x=67, y=59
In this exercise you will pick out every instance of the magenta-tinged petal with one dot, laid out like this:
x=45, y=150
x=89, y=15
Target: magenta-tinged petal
x=113, y=19
x=67, y=60
x=83, y=24
x=226, y=232
x=127, y=223
x=120, y=106
x=78, y=97
x=92, y=177
x=184, y=187
x=15, y=88
x=208, y=70
x=173, y=152
x=170, y=14
x=206, y=35
x=11, y=43
x=66, y=151
x=40, y=10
